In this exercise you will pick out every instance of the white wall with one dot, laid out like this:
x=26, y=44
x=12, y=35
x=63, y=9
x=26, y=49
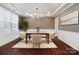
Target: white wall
x=8, y=26
x=8, y=21
x=56, y=25
x=69, y=34
x=4, y=39
x=70, y=38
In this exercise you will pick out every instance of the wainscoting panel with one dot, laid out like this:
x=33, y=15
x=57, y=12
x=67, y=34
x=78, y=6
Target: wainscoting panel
x=70, y=38
x=4, y=39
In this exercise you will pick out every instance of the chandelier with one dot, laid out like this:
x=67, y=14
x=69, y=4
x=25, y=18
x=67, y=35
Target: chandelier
x=36, y=15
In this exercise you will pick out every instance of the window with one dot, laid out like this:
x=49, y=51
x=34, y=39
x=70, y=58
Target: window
x=8, y=21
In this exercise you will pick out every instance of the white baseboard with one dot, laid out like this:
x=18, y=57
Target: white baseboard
x=70, y=38
x=8, y=38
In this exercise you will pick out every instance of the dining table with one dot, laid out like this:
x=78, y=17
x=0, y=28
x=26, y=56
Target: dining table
x=45, y=34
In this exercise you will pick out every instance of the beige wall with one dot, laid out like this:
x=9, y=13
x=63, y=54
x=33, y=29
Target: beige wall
x=75, y=27
x=43, y=23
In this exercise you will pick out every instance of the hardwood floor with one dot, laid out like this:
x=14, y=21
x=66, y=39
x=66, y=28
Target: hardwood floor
x=63, y=49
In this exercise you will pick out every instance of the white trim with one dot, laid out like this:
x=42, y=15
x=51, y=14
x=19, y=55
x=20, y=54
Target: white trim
x=16, y=9
x=55, y=13
x=70, y=38
x=58, y=9
x=64, y=9
x=72, y=45
x=11, y=8
x=8, y=38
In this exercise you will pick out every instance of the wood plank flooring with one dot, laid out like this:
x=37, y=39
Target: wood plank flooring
x=63, y=49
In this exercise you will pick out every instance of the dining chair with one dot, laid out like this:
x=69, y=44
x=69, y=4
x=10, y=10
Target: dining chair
x=36, y=39
x=23, y=35
x=51, y=35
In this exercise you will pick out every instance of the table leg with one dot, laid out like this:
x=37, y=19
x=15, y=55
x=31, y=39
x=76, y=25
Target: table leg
x=29, y=36
x=48, y=38
x=26, y=38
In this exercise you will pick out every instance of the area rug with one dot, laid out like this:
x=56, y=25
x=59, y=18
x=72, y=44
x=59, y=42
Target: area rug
x=29, y=44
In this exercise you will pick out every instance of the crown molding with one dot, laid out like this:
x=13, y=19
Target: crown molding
x=54, y=14
x=60, y=10
x=11, y=8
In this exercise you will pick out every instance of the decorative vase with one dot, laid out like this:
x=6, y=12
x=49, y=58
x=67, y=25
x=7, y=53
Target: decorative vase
x=37, y=29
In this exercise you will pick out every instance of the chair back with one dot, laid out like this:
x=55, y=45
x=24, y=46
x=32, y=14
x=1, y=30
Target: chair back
x=51, y=35
x=22, y=35
x=36, y=38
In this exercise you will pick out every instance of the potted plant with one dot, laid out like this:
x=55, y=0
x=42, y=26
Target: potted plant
x=23, y=25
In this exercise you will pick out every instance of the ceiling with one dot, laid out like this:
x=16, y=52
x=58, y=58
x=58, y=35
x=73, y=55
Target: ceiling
x=26, y=9
x=44, y=8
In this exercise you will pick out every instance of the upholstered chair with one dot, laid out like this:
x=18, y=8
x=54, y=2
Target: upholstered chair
x=51, y=35
x=36, y=39
x=23, y=36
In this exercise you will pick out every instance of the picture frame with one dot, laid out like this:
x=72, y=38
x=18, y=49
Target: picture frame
x=70, y=19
